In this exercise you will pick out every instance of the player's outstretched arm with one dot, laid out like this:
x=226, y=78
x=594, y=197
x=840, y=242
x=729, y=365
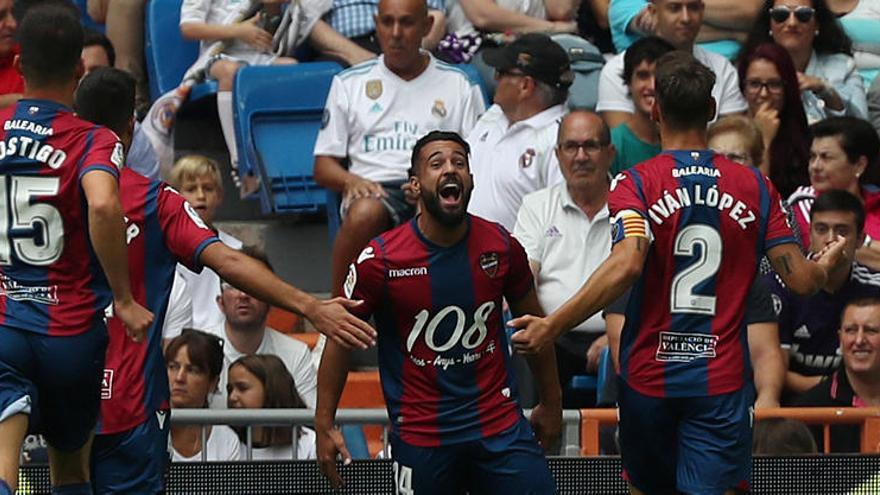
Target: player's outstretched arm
x=331, y=380
x=546, y=417
x=330, y=317
x=767, y=363
x=608, y=282
x=107, y=234
x=802, y=276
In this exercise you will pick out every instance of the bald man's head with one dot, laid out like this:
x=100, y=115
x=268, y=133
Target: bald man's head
x=417, y=7
x=400, y=27
x=584, y=117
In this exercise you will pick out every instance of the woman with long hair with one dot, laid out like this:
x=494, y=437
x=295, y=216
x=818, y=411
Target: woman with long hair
x=822, y=54
x=769, y=82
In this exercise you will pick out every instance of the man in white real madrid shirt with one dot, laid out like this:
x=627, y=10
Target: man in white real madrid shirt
x=512, y=144
x=375, y=113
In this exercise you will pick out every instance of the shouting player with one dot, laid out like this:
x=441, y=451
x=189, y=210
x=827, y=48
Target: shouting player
x=689, y=228
x=131, y=448
x=62, y=242
x=435, y=286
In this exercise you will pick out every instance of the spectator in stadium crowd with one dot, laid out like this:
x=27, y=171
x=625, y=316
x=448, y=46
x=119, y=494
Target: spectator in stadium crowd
x=375, y=113
x=844, y=155
x=244, y=332
x=456, y=425
x=261, y=381
x=471, y=17
x=738, y=138
x=140, y=156
x=678, y=22
x=769, y=82
x=194, y=360
x=859, y=19
x=249, y=43
x=821, y=51
x=513, y=142
x=11, y=80
x=807, y=324
x=197, y=178
x=638, y=138
x=566, y=234
x=359, y=22
x=874, y=104
x=725, y=23
x=97, y=51
x=856, y=382
x=662, y=373
x=782, y=437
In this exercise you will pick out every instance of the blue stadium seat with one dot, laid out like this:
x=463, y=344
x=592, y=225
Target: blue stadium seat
x=85, y=18
x=168, y=54
x=278, y=114
x=474, y=75
x=355, y=441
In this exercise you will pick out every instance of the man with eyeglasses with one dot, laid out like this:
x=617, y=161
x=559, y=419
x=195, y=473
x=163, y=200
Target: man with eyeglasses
x=566, y=233
x=513, y=142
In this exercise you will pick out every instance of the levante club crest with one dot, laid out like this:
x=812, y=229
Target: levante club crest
x=489, y=264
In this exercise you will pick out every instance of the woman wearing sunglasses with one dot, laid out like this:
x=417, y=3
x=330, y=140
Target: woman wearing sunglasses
x=828, y=80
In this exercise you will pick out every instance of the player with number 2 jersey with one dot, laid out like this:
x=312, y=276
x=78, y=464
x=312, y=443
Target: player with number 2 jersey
x=435, y=287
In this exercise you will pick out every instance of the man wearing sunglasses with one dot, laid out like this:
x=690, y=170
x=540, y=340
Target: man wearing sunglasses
x=677, y=22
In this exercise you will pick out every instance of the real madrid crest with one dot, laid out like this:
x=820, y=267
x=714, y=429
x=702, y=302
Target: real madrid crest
x=439, y=109
x=489, y=264
x=374, y=89
x=526, y=159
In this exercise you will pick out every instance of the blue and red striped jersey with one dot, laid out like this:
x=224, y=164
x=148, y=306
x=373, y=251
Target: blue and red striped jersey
x=443, y=351
x=50, y=278
x=162, y=230
x=710, y=220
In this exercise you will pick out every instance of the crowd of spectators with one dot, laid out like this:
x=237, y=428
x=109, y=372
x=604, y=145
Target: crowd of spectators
x=795, y=96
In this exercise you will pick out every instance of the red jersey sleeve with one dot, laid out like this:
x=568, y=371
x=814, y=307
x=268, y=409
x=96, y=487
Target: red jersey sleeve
x=625, y=194
x=778, y=230
x=519, y=279
x=104, y=152
x=186, y=235
x=365, y=280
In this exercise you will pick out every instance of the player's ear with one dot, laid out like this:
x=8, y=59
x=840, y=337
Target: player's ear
x=80, y=70
x=712, y=109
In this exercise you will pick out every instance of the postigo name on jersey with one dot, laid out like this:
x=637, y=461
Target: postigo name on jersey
x=30, y=148
x=432, y=328
x=696, y=195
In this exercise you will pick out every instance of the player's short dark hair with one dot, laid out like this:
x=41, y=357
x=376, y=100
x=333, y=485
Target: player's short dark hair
x=684, y=90
x=97, y=38
x=51, y=40
x=840, y=200
x=430, y=138
x=649, y=48
x=279, y=392
x=106, y=97
x=857, y=136
x=204, y=350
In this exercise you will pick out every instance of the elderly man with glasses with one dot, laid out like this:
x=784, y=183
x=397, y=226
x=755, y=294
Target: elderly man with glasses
x=566, y=233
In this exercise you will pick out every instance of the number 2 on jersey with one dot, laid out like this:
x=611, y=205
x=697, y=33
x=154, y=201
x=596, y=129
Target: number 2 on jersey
x=44, y=219
x=683, y=299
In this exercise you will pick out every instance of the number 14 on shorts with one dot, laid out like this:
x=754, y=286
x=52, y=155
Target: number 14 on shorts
x=403, y=479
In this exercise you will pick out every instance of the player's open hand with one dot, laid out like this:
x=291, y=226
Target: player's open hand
x=330, y=444
x=547, y=423
x=534, y=336
x=332, y=318
x=137, y=319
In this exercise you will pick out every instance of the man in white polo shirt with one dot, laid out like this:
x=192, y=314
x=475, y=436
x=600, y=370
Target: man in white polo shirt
x=678, y=22
x=512, y=143
x=375, y=113
x=566, y=233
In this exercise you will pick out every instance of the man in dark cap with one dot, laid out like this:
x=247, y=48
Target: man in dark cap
x=513, y=141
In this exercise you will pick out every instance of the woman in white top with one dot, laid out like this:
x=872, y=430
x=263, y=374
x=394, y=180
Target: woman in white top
x=821, y=51
x=261, y=381
x=194, y=360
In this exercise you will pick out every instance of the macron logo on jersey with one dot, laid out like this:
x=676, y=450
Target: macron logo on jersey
x=415, y=271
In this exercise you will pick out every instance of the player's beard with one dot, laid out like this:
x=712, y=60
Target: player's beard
x=431, y=200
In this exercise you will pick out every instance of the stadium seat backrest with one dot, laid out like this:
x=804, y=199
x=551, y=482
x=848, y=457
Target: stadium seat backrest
x=168, y=54
x=278, y=113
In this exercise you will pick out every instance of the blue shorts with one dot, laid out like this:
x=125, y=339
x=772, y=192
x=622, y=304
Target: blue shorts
x=687, y=444
x=133, y=461
x=56, y=380
x=510, y=463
